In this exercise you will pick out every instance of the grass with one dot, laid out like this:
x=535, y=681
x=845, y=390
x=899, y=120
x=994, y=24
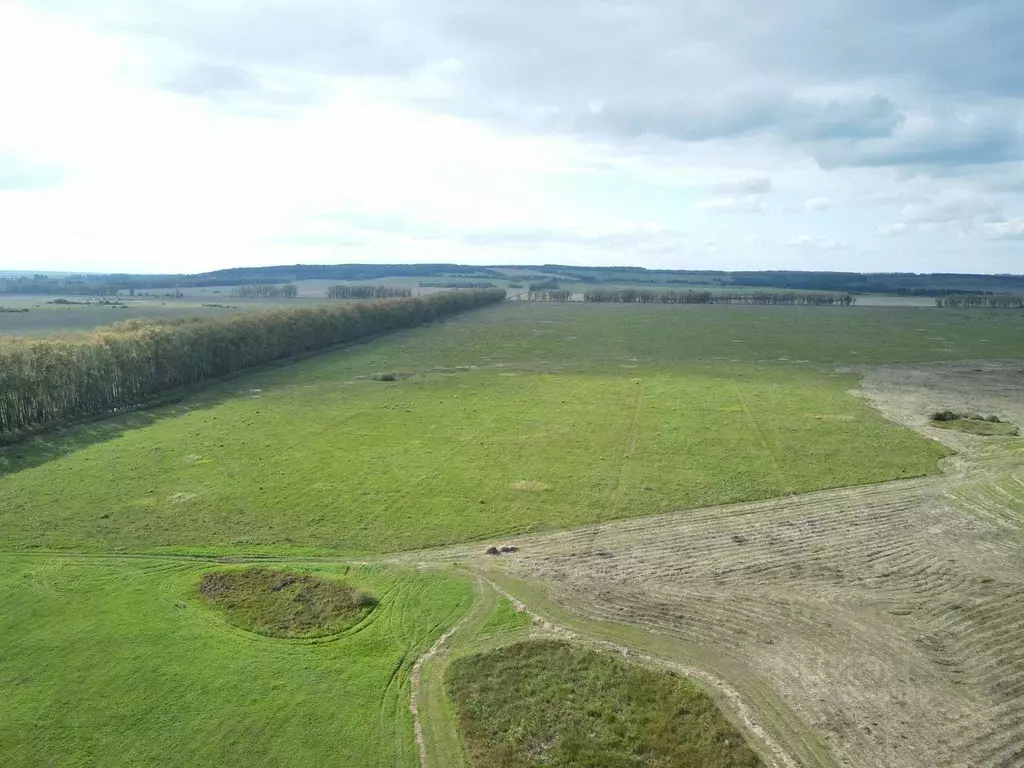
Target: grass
x=504, y=618
x=335, y=464
x=117, y=662
x=522, y=417
x=593, y=338
x=566, y=420
x=281, y=604
x=555, y=704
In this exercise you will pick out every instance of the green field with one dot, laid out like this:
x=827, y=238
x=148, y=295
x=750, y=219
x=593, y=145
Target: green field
x=117, y=662
x=46, y=319
x=515, y=418
x=565, y=421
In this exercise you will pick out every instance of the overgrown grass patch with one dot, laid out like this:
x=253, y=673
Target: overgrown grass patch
x=974, y=424
x=283, y=604
x=551, y=703
x=981, y=427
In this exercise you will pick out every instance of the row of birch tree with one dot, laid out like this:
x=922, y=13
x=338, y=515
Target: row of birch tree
x=48, y=381
x=368, y=292
x=790, y=298
x=988, y=301
x=265, y=291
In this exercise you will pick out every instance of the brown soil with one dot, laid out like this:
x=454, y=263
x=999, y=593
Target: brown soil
x=884, y=622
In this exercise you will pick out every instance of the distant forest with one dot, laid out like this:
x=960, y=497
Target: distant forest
x=896, y=283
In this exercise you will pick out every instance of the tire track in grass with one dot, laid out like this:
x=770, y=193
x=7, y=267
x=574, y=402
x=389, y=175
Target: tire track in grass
x=629, y=448
x=388, y=706
x=786, y=487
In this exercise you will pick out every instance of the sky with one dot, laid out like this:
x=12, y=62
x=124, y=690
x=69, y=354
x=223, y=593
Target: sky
x=191, y=135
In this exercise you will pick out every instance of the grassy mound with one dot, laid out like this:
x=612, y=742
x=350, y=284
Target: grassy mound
x=280, y=604
x=555, y=704
x=987, y=426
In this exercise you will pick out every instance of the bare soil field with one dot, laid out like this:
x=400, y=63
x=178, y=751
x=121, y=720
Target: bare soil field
x=873, y=626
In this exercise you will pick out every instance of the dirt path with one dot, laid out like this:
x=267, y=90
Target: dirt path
x=437, y=649
x=886, y=622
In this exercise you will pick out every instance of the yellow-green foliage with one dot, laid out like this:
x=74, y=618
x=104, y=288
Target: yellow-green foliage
x=46, y=381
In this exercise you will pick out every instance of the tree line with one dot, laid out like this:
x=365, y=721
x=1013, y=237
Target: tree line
x=972, y=300
x=367, y=292
x=791, y=298
x=264, y=291
x=47, y=381
x=559, y=295
x=41, y=285
x=453, y=284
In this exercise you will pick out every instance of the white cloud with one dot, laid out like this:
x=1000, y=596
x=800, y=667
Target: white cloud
x=819, y=204
x=194, y=134
x=1004, y=230
x=817, y=243
x=959, y=208
x=733, y=204
x=894, y=230
x=754, y=185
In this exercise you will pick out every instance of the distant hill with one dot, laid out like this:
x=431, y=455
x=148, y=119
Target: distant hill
x=898, y=283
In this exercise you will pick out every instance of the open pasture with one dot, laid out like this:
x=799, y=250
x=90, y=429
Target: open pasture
x=505, y=421
x=800, y=615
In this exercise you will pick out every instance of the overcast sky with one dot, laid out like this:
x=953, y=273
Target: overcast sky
x=187, y=135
